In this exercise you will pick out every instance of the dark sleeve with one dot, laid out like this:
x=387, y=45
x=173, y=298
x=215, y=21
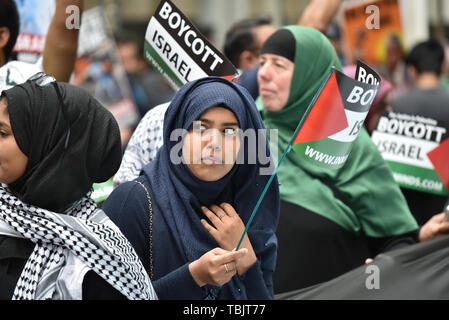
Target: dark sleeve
x=14, y=253
x=258, y=279
x=129, y=212
x=248, y=80
x=96, y=288
x=380, y=245
x=128, y=209
x=178, y=285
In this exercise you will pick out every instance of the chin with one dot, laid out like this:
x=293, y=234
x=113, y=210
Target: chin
x=210, y=174
x=210, y=177
x=270, y=106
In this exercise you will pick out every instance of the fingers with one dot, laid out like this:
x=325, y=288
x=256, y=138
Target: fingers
x=231, y=256
x=230, y=267
x=443, y=226
x=210, y=229
x=439, y=217
x=218, y=211
x=230, y=211
x=212, y=216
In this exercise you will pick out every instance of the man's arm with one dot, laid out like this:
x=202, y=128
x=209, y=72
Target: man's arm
x=61, y=43
x=319, y=13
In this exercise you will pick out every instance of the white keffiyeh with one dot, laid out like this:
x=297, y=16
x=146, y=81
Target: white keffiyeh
x=143, y=145
x=67, y=246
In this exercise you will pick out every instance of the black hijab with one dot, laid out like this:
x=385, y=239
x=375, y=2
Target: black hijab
x=62, y=163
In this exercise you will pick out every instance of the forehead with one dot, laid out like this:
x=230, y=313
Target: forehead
x=219, y=114
x=3, y=106
x=275, y=57
x=4, y=115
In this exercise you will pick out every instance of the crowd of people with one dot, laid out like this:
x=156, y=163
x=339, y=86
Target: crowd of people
x=170, y=230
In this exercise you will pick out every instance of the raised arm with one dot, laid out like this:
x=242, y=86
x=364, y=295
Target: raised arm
x=61, y=43
x=319, y=13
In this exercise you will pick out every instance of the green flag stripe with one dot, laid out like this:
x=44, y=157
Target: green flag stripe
x=161, y=66
x=417, y=178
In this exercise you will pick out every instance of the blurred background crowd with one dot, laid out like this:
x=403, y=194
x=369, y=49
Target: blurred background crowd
x=110, y=49
x=110, y=59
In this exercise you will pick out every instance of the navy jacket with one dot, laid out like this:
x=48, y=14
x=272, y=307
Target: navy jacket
x=128, y=208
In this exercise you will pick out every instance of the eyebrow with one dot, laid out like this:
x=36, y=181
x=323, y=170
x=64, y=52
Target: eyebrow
x=225, y=124
x=4, y=124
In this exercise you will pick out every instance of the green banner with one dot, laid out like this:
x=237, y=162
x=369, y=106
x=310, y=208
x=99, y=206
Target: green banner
x=405, y=140
x=161, y=66
x=416, y=178
x=326, y=153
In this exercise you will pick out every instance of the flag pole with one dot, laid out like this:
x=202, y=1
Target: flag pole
x=287, y=150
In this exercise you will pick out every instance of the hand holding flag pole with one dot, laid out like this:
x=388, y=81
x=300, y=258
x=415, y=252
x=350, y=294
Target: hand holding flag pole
x=287, y=150
x=331, y=123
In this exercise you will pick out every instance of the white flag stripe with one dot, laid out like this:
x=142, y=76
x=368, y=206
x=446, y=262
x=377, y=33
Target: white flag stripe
x=196, y=72
x=355, y=119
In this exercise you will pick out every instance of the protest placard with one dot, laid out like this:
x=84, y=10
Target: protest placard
x=175, y=47
x=364, y=39
x=406, y=141
x=35, y=17
x=99, y=70
x=336, y=117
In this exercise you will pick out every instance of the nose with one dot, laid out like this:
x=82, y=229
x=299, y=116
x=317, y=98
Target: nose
x=215, y=140
x=264, y=72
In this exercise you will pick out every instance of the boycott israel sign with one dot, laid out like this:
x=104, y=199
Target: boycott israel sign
x=336, y=117
x=179, y=51
x=414, y=147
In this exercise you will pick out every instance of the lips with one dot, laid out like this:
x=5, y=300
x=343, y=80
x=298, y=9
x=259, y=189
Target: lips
x=211, y=161
x=265, y=91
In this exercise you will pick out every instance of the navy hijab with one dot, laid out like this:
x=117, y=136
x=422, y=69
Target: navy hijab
x=180, y=195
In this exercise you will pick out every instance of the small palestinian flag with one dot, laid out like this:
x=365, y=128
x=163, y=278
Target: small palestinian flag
x=335, y=118
x=439, y=158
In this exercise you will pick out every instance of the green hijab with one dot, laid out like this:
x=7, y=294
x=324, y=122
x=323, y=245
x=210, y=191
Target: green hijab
x=362, y=196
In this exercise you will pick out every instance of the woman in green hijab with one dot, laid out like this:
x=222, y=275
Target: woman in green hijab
x=331, y=220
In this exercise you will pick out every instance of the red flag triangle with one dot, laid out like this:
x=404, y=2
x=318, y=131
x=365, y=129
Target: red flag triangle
x=439, y=158
x=232, y=78
x=327, y=115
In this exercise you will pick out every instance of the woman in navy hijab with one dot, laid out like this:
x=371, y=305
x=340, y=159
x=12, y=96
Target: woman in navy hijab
x=186, y=212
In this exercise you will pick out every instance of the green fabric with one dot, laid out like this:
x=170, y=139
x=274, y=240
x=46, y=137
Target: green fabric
x=373, y=203
x=444, y=81
x=101, y=191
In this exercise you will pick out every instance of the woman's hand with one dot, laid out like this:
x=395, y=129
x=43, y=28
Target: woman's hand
x=216, y=267
x=436, y=227
x=227, y=231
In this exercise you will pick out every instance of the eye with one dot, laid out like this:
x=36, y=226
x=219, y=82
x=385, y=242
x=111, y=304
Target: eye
x=280, y=66
x=198, y=126
x=3, y=134
x=230, y=131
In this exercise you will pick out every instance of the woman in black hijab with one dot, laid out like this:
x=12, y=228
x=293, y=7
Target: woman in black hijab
x=55, y=141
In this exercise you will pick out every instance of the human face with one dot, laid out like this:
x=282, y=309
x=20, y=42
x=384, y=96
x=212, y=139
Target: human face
x=274, y=78
x=13, y=162
x=210, y=147
x=129, y=57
